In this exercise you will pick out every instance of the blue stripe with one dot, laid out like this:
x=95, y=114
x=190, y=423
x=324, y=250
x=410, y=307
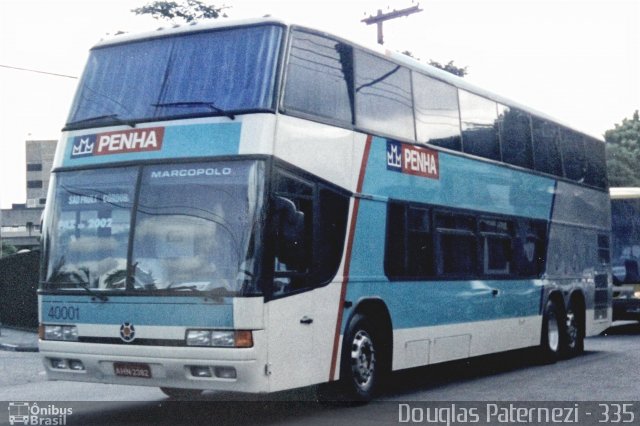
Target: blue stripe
x=169, y=311
x=181, y=141
x=433, y=303
x=463, y=183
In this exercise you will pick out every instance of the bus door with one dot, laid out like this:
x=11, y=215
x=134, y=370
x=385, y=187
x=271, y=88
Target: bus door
x=290, y=312
x=290, y=324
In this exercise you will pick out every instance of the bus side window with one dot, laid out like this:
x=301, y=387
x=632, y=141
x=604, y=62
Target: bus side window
x=479, y=118
x=457, y=244
x=515, y=137
x=497, y=246
x=409, y=250
x=292, y=218
x=323, y=67
x=331, y=225
x=530, y=248
x=546, y=147
x=309, y=227
x=573, y=156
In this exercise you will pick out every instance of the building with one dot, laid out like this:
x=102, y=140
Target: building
x=20, y=225
x=39, y=163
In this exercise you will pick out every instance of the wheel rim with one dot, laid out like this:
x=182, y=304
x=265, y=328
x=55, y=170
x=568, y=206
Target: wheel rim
x=363, y=360
x=572, y=329
x=553, y=332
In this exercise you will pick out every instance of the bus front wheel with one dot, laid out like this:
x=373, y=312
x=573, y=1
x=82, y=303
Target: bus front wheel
x=360, y=366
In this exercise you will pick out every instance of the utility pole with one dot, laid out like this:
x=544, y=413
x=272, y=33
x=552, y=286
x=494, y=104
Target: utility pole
x=381, y=17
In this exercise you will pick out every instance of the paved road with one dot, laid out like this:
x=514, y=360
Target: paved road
x=608, y=371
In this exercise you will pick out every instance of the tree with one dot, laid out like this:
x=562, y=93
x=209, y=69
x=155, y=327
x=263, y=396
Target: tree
x=182, y=10
x=623, y=152
x=449, y=66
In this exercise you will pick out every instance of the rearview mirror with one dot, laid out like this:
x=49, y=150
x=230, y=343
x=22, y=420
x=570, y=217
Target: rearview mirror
x=290, y=230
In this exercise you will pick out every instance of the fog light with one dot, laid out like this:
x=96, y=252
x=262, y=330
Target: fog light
x=76, y=364
x=199, y=371
x=225, y=372
x=58, y=363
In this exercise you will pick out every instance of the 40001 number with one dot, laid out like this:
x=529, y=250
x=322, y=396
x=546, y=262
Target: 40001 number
x=64, y=313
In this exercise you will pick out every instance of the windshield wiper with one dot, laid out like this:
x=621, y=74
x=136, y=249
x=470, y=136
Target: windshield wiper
x=215, y=292
x=220, y=291
x=113, y=117
x=193, y=104
x=183, y=287
x=95, y=294
x=83, y=285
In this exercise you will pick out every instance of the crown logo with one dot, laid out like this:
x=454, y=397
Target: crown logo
x=83, y=147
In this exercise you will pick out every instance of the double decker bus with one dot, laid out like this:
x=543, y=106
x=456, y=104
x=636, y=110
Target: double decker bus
x=625, y=228
x=256, y=206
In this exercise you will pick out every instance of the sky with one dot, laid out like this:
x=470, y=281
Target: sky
x=575, y=60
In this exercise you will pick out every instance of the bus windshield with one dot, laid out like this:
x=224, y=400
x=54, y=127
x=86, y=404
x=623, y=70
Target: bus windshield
x=625, y=227
x=195, y=226
x=207, y=73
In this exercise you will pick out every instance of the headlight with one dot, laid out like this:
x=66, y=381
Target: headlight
x=637, y=294
x=223, y=338
x=60, y=332
x=199, y=338
x=220, y=338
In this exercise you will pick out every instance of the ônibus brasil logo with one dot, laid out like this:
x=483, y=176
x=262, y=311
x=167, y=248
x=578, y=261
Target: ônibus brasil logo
x=28, y=413
x=118, y=142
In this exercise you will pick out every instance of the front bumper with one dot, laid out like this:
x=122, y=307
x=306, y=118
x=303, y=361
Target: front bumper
x=169, y=366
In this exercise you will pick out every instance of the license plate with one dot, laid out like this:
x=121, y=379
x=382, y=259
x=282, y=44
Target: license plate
x=126, y=369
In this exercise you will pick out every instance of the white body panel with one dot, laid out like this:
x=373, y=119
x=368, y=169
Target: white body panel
x=317, y=148
x=413, y=347
x=595, y=327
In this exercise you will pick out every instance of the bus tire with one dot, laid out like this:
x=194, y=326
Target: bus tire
x=361, y=370
x=552, y=333
x=181, y=394
x=574, y=330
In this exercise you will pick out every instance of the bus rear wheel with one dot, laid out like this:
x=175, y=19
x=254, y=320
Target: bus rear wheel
x=181, y=394
x=574, y=331
x=553, y=333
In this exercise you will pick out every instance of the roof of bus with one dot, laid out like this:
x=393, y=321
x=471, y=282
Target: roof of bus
x=396, y=56
x=621, y=193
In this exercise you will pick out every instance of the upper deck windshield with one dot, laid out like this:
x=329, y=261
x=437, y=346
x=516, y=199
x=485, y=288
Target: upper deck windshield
x=219, y=72
x=195, y=229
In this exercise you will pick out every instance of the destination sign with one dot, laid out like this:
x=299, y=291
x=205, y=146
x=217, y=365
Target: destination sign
x=118, y=142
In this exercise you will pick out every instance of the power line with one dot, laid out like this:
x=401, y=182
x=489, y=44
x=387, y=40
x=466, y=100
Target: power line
x=39, y=72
